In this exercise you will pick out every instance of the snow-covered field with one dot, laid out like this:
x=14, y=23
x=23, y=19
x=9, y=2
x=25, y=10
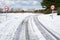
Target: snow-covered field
x=52, y=24
x=10, y=22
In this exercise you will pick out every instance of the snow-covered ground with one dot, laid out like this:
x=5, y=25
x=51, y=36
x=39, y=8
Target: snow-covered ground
x=10, y=22
x=9, y=25
x=53, y=24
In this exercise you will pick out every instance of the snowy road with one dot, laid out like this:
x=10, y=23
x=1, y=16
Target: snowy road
x=26, y=28
x=27, y=31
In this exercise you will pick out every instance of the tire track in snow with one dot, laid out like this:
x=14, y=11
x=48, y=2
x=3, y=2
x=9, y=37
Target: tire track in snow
x=19, y=30
x=27, y=31
x=46, y=33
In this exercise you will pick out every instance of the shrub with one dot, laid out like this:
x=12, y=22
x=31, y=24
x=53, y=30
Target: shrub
x=48, y=11
x=58, y=11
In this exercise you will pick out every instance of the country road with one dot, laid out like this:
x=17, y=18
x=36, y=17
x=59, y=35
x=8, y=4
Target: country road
x=26, y=27
x=26, y=30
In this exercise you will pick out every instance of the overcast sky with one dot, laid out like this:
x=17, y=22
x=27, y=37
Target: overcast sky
x=23, y=4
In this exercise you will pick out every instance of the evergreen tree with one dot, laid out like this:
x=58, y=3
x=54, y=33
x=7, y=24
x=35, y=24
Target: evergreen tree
x=48, y=3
